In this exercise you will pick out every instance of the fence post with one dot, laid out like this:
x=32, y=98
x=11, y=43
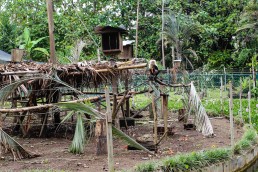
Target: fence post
x=240, y=103
x=231, y=114
x=221, y=96
x=109, y=133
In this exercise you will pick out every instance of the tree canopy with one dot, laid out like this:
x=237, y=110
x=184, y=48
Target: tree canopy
x=217, y=41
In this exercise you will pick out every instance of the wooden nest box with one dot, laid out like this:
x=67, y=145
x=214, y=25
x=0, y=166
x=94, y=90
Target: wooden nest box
x=112, y=42
x=127, y=53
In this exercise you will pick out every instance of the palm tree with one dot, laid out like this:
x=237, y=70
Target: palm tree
x=178, y=31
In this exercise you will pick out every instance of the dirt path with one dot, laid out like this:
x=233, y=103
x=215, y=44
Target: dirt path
x=55, y=156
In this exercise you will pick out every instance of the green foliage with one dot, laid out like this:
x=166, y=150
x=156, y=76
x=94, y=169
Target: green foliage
x=198, y=160
x=249, y=138
x=78, y=142
x=24, y=42
x=218, y=21
x=146, y=167
x=195, y=160
x=219, y=59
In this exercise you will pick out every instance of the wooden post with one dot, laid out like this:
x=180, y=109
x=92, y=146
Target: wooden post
x=249, y=102
x=127, y=101
x=165, y=112
x=137, y=28
x=101, y=137
x=162, y=36
x=225, y=78
x=115, y=92
x=155, y=120
x=249, y=107
x=240, y=104
x=17, y=55
x=231, y=114
x=109, y=133
x=221, y=96
x=51, y=31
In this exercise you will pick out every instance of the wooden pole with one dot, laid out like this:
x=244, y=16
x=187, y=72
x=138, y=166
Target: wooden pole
x=137, y=27
x=249, y=107
x=51, y=31
x=231, y=114
x=165, y=112
x=221, y=96
x=155, y=120
x=240, y=104
x=109, y=133
x=162, y=36
x=101, y=137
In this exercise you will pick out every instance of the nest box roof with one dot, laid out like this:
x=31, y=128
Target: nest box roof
x=109, y=29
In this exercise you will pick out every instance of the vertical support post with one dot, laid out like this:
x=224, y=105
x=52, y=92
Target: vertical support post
x=231, y=114
x=249, y=102
x=98, y=53
x=249, y=107
x=101, y=137
x=165, y=112
x=221, y=96
x=162, y=36
x=240, y=104
x=225, y=77
x=155, y=120
x=115, y=92
x=109, y=133
x=51, y=31
x=127, y=101
x=137, y=28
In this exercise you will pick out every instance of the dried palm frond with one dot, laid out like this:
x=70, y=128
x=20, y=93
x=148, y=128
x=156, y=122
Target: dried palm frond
x=201, y=119
x=9, y=144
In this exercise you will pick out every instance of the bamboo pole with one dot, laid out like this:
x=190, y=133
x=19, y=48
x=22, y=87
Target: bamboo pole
x=231, y=114
x=109, y=133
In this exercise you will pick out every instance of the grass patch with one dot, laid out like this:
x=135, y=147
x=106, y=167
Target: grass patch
x=197, y=160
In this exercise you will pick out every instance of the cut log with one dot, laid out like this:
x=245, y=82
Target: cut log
x=101, y=137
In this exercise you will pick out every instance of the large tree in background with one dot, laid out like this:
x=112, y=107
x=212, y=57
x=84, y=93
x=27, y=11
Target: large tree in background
x=76, y=20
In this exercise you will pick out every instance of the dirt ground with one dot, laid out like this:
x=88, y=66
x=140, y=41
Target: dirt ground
x=54, y=153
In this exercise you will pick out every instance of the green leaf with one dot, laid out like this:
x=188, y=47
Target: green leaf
x=79, y=136
x=128, y=139
x=80, y=107
x=43, y=50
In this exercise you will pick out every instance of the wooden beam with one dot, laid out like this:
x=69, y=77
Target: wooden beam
x=31, y=108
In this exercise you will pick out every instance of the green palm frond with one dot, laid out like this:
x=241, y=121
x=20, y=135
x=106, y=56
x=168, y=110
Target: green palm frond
x=82, y=108
x=128, y=139
x=13, y=146
x=78, y=143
